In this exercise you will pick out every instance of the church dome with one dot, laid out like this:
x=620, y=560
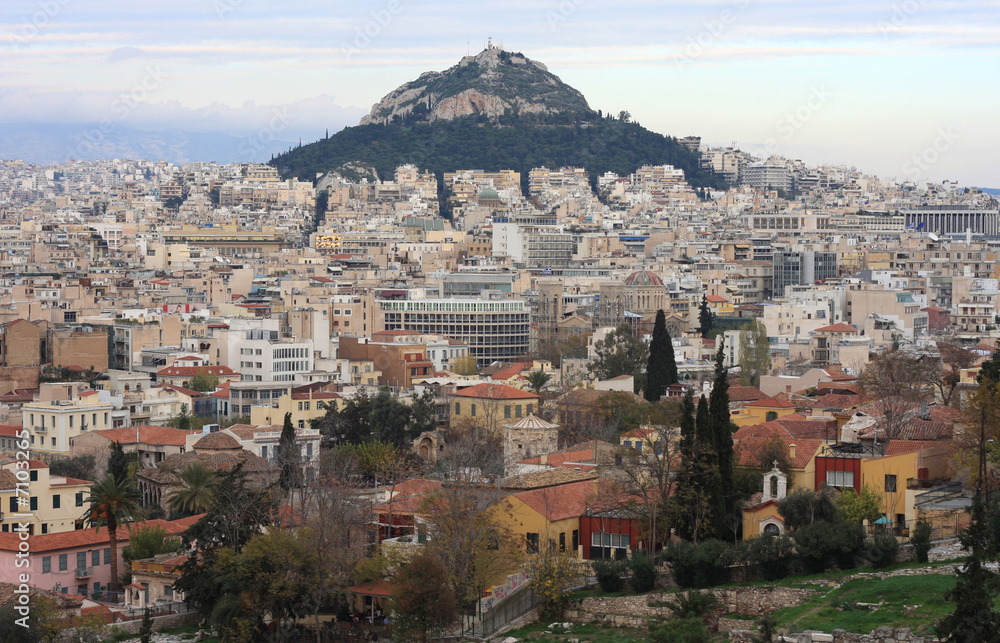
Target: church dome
x=643, y=278
x=489, y=194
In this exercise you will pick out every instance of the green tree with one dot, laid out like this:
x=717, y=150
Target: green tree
x=550, y=573
x=149, y=541
x=146, y=628
x=465, y=365
x=706, y=318
x=620, y=353
x=537, y=381
x=722, y=432
x=389, y=419
x=423, y=415
x=688, y=630
x=182, y=420
x=423, y=601
x=203, y=381
x=805, y=507
x=921, y=540
x=81, y=467
x=194, y=490
x=975, y=618
x=857, y=506
x=289, y=457
x=755, y=353
x=113, y=503
x=661, y=369
x=118, y=463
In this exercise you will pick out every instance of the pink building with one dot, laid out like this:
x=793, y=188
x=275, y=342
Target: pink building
x=73, y=562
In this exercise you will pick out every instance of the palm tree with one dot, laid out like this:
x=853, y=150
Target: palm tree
x=113, y=503
x=537, y=381
x=194, y=490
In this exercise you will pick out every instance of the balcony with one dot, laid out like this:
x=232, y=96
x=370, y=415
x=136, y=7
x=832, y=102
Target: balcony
x=84, y=572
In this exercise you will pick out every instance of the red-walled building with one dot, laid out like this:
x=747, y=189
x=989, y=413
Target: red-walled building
x=604, y=536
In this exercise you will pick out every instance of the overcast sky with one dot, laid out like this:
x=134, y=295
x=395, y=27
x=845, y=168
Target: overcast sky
x=900, y=88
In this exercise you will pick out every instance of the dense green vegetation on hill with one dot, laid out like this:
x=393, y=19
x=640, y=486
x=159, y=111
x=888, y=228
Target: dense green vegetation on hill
x=598, y=144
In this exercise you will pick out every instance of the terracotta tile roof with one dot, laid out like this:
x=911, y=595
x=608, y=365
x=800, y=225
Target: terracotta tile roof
x=217, y=441
x=559, y=502
x=837, y=401
x=513, y=370
x=899, y=447
x=813, y=429
x=9, y=431
x=745, y=394
x=488, y=391
x=181, y=390
x=375, y=588
x=765, y=430
x=148, y=434
x=89, y=537
x=583, y=456
x=549, y=478
x=837, y=328
x=716, y=299
x=72, y=482
x=772, y=403
x=751, y=450
x=8, y=480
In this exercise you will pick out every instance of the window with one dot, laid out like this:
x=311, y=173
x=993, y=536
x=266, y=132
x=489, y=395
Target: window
x=532, y=543
x=46, y=564
x=840, y=478
x=458, y=408
x=506, y=411
x=45, y=528
x=63, y=562
x=107, y=555
x=473, y=411
x=34, y=503
x=770, y=416
x=168, y=590
x=56, y=501
x=576, y=539
x=79, y=499
x=890, y=483
x=517, y=411
x=562, y=541
x=33, y=476
x=95, y=557
x=81, y=560
x=530, y=408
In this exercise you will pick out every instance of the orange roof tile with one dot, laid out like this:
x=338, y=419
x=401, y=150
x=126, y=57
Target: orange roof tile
x=488, y=391
x=148, y=434
x=837, y=328
x=89, y=537
x=559, y=502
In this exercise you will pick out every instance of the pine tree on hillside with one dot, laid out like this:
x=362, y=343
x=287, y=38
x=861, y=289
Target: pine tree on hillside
x=288, y=456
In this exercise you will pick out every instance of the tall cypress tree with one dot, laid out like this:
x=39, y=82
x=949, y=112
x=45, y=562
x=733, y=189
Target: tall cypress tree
x=288, y=455
x=706, y=318
x=118, y=463
x=661, y=360
x=722, y=430
x=688, y=427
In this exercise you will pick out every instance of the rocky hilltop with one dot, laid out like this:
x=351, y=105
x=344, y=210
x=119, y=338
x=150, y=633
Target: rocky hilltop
x=493, y=83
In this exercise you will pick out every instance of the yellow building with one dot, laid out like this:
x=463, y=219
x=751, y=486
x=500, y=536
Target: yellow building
x=761, y=411
x=54, y=503
x=719, y=305
x=905, y=463
x=760, y=513
x=547, y=514
x=491, y=405
x=649, y=439
x=304, y=407
x=63, y=411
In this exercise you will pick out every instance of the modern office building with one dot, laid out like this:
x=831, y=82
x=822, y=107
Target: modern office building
x=802, y=268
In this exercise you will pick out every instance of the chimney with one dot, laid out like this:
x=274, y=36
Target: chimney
x=791, y=452
x=544, y=458
x=788, y=389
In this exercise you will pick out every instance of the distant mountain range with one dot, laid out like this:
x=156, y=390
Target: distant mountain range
x=49, y=144
x=495, y=110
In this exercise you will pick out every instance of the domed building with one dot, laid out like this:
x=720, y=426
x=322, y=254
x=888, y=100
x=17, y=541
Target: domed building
x=490, y=198
x=642, y=293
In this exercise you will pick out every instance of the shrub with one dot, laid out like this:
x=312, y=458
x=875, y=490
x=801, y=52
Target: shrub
x=643, y=573
x=609, y=575
x=771, y=556
x=822, y=544
x=703, y=565
x=882, y=550
x=692, y=604
x=766, y=630
x=688, y=630
x=921, y=539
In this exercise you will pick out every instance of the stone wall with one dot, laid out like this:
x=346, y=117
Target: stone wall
x=884, y=634
x=165, y=622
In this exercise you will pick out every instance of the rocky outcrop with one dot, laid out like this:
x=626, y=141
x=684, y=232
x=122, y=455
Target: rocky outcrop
x=492, y=83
